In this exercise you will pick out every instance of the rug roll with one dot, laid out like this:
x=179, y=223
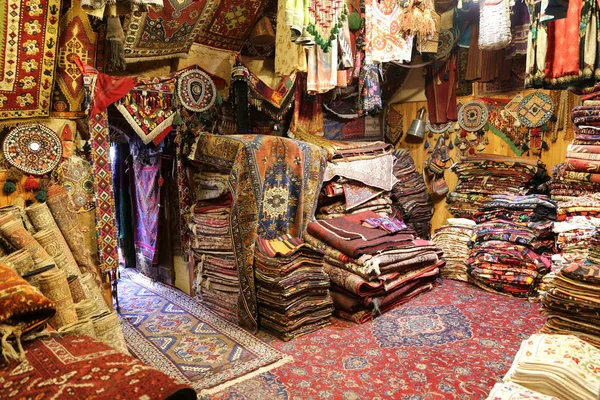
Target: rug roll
x=86, y=309
x=21, y=260
x=21, y=238
x=50, y=239
x=33, y=277
x=108, y=330
x=19, y=213
x=93, y=291
x=81, y=327
x=41, y=218
x=68, y=223
x=76, y=289
x=54, y=285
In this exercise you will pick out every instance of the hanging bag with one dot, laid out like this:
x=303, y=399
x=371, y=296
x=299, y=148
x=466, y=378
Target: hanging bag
x=436, y=164
x=494, y=25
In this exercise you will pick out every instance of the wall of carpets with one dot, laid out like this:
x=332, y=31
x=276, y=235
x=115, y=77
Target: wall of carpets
x=494, y=144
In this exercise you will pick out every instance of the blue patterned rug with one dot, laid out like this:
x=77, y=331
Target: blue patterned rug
x=175, y=333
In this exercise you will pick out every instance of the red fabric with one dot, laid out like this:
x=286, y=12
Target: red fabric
x=441, y=92
x=78, y=367
x=562, y=58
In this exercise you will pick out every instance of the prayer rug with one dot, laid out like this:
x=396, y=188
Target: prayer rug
x=168, y=33
x=227, y=24
x=77, y=38
x=28, y=38
x=169, y=330
x=454, y=342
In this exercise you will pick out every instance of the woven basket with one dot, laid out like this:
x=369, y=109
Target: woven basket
x=21, y=261
x=93, y=291
x=76, y=289
x=50, y=241
x=86, y=309
x=108, y=331
x=82, y=327
x=494, y=25
x=55, y=286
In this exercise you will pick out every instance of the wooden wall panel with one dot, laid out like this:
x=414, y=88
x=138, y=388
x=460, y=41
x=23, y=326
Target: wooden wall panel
x=555, y=155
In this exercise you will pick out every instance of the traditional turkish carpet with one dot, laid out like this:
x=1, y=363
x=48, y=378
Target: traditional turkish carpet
x=453, y=342
x=28, y=38
x=169, y=330
x=77, y=38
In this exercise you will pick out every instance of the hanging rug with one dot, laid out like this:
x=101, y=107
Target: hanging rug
x=445, y=44
x=472, y=116
x=196, y=91
x=33, y=149
x=535, y=109
x=75, y=175
x=437, y=128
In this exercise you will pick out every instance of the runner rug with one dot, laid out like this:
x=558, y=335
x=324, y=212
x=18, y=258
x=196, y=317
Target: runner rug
x=175, y=333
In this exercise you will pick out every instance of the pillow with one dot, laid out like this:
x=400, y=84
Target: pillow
x=21, y=304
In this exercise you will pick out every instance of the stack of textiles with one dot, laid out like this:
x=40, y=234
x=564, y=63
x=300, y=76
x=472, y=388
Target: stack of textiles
x=562, y=188
x=563, y=366
x=342, y=197
x=513, y=240
x=587, y=206
x=573, y=237
x=216, y=279
x=411, y=201
x=453, y=239
x=292, y=288
x=572, y=303
x=374, y=263
x=483, y=175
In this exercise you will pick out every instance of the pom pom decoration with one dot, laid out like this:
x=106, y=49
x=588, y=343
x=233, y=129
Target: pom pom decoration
x=9, y=187
x=31, y=184
x=42, y=195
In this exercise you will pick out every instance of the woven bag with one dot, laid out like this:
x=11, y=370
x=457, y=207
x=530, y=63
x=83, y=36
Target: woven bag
x=494, y=25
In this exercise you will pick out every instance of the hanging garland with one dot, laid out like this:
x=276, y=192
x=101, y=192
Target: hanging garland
x=326, y=18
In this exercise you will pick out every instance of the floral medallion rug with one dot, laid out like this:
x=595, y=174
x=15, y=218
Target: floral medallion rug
x=175, y=333
x=453, y=342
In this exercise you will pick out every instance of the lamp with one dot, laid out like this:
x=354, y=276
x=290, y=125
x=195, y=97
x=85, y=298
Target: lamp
x=417, y=126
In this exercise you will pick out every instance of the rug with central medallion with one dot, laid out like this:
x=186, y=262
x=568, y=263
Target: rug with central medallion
x=171, y=331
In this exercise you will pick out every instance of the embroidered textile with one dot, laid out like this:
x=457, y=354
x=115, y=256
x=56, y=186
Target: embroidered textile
x=385, y=40
x=196, y=91
x=535, y=109
x=374, y=172
x=147, y=203
x=473, y=116
x=29, y=35
x=75, y=175
x=167, y=33
x=501, y=123
x=77, y=39
x=33, y=149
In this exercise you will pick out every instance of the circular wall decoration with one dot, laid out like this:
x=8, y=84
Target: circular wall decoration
x=535, y=109
x=437, y=128
x=33, y=149
x=445, y=44
x=472, y=116
x=196, y=90
x=75, y=175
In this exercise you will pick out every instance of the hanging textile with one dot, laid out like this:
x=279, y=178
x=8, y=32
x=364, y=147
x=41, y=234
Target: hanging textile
x=322, y=69
x=441, y=91
x=291, y=58
x=385, y=41
x=124, y=210
x=308, y=111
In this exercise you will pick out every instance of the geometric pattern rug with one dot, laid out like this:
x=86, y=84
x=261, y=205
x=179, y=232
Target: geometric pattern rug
x=175, y=333
x=453, y=342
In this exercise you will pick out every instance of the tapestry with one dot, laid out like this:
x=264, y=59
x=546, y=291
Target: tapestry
x=33, y=149
x=535, y=109
x=275, y=103
x=385, y=39
x=75, y=175
x=77, y=38
x=436, y=337
x=264, y=51
x=146, y=209
x=502, y=124
x=63, y=366
x=226, y=24
x=394, y=128
x=472, y=116
x=185, y=201
x=464, y=87
x=28, y=37
x=196, y=91
x=167, y=329
x=275, y=183
x=169, y=33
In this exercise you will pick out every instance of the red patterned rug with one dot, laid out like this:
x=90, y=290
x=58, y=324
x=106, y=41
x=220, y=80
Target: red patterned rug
x=454, y=342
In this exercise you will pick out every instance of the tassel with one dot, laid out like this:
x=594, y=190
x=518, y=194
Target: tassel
x=524, y=147
x=9, y=187
x=161, y=181
x=450, y=145
x=31, y=184
x=115, y=38
x=177, y=120
x=42, y=195
x=426, y=145
x=517, y=123
x=545, y=145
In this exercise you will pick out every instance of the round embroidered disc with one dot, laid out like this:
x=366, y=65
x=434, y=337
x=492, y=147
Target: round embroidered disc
x=445, y=44
x=34, y=149
x=472, y=116
x=75, y=175
x=196, y=91
x=437, y=128
x=535, y=109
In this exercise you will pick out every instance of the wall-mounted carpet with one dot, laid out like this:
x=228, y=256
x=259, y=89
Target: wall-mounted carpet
x=28, y=38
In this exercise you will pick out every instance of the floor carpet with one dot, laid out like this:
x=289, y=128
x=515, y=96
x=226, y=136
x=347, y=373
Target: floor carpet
x=454, y=342
x=176, y=334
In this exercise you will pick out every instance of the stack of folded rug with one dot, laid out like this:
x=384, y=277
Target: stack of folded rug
x=411, y=201
x=513, y=244
x=557, y=365
x=342, y=197
x=572, y=303
x=587, y=206
x=573, y=237
x=453, y=239
x=292, y=288
x=374, y=263
x=483, y=175
x=216, y=279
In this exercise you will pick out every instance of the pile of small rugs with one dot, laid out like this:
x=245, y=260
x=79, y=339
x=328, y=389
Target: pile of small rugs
x=454, y=239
